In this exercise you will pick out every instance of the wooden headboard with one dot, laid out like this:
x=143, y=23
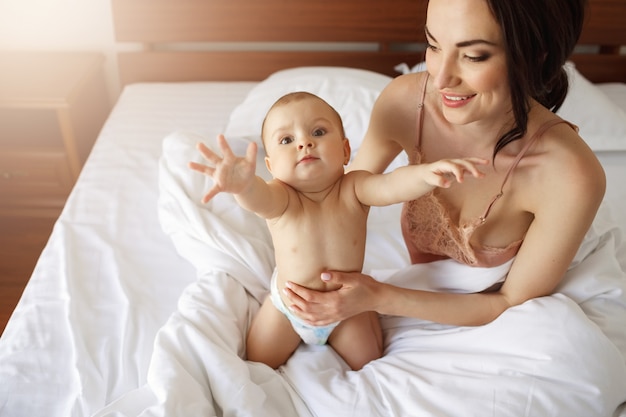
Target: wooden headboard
x=247, y=40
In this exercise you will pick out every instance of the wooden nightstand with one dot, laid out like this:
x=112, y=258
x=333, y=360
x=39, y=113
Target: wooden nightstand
x=52, y=107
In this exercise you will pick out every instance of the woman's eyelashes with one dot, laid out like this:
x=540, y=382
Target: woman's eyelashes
x=469, y=57
x=431, y=47
x=479, y=58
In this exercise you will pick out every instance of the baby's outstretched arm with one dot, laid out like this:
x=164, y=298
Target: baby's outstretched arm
x=412, y=181
x=441, y=173
x=236, y=175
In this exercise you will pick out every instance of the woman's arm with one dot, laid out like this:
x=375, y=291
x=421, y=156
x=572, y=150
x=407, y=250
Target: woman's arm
x=391, y=127
x=360, y=293
x=563, y=193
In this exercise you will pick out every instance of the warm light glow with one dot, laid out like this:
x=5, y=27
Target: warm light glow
x=55, y=24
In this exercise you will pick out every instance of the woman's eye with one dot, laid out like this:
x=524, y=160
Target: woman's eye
x=479, y=58
x=286, y=140
x=431, y=47
x=319, y=132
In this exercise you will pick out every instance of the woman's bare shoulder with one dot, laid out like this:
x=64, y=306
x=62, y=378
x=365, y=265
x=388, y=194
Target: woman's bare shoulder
x=393, y=115
x=405, y=85
x=566, y=168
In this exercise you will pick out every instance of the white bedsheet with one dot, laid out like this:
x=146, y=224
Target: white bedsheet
x=115, y=319
x=522, y=364
x=109, y=278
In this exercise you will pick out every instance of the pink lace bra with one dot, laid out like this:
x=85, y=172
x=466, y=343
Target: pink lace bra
x=431, y=234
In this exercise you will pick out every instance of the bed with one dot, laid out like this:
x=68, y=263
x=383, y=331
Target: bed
x=140, y=299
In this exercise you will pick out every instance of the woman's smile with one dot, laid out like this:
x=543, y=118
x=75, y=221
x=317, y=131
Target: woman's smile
x=455, y=101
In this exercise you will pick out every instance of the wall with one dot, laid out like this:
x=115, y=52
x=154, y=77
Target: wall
x=75, y=25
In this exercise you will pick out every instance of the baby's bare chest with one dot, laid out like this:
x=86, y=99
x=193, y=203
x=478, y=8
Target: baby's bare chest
x=317, y=226
x=318, y=238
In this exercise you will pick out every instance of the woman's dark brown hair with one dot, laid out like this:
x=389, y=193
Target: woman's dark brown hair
x=539, y=36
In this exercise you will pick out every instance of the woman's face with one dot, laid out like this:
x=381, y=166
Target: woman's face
x=466, y=60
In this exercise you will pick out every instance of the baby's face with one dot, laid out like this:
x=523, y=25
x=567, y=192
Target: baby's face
x=305, y=144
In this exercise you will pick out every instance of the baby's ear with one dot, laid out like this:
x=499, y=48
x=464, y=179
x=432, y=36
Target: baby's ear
x=268, y=164
x=346, y=151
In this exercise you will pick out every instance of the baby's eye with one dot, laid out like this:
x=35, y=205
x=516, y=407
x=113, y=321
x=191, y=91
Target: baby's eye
x=319, y=132
x=286, y=140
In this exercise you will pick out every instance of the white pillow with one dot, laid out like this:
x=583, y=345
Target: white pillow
x=220, y=235
x=404, y=68
x=350, y=91
x=602, y=122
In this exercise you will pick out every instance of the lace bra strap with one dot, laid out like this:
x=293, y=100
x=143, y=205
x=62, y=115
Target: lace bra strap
x=518, y=158
x=420, y=108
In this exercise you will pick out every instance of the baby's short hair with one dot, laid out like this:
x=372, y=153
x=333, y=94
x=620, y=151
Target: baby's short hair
x=297, y=96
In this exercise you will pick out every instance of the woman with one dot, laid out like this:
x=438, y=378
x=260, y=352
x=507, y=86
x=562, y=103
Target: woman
x=494, y=78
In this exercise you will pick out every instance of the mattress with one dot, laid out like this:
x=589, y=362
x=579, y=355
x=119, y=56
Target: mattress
x=83, y=330
x=117, y=318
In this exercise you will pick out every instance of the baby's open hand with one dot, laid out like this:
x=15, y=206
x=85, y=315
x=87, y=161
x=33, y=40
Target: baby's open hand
x=230, y=173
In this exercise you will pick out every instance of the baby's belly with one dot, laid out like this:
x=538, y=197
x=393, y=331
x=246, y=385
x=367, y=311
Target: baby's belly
x=312, y=280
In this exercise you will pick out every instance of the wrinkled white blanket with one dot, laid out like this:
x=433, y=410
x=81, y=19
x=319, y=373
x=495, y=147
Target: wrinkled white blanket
x=562, y=355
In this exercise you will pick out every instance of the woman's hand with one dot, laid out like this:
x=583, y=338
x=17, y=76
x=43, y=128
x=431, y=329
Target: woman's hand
x=356, y=295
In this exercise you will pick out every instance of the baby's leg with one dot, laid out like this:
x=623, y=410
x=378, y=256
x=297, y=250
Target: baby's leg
x=358, y=340
x=271, y=339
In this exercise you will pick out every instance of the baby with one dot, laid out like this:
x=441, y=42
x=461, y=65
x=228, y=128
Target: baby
x=317, y=216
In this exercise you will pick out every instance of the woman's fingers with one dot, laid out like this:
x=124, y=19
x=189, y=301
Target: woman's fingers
x=298, y=294
x=310, y=305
